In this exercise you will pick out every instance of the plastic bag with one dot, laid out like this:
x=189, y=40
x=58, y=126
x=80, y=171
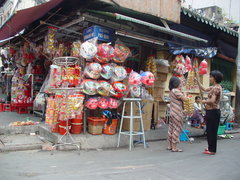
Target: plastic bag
x=122, y=52
x=104, y=53
x=93, y=70
x=89, y=48
x=119, y=73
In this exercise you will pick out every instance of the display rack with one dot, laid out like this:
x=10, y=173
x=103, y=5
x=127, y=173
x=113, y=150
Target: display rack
x=66, y=61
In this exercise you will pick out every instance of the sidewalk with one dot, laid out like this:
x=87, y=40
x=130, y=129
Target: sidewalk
x=40, y=135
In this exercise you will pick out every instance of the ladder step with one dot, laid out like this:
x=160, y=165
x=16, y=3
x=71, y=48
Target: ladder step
x=134, y=133
x=133, y=117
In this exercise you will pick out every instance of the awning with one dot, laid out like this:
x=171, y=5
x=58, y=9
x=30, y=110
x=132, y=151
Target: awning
x=23, y=18
x=199, y=52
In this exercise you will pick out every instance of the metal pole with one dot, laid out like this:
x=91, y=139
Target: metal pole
x=237, y=105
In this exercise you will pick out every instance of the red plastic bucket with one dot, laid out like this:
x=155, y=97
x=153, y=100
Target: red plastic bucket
x=63, y=128
x=110, y=129
x=76, y=126
x=55, y=128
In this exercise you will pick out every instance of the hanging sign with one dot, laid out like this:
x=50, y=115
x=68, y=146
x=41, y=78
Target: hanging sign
x=102, y=33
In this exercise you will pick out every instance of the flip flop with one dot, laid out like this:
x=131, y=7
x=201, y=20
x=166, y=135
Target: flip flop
x=177, y=150
x=209, y=153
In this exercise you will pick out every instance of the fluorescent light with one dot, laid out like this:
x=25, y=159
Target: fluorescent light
x=138, y=37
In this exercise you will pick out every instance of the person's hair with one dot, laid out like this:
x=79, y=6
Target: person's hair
x=174, y=83
x=217, y=75
x=197, y=97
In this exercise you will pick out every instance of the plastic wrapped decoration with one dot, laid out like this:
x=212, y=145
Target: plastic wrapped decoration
x=122, y=52
x=120, y=89
x=103, y=103
x=105, y=52
x=92, y=103
x=104, y=88
x=75, y=52
x=188, y=106
x=179, y=67
x=107, y=71
x=55, y=76
x=151, y=65
x=88, y=49
x=203, y=67
x=93, y=70
x=188, y=63
x=135, y=91
x=147, y=78
x=113, y=103
x=51, y=40
x=119, y=73
x=134, y=78
x=89, y=87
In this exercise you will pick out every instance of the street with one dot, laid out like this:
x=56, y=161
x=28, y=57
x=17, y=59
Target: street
x=150, y=164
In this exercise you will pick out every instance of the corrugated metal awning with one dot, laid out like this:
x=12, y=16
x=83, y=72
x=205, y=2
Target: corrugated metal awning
x=23, y=18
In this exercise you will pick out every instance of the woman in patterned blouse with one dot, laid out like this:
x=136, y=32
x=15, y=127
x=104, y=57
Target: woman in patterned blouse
x=176, y=113
x=212, y=110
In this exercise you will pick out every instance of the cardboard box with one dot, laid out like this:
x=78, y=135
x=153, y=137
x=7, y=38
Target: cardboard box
x=147, y=109
x=158, y=93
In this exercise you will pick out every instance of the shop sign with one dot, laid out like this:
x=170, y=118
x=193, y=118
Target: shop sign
x=103, y=34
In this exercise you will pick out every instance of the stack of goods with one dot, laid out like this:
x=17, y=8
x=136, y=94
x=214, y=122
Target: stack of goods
x=20, y=90
x=188, y=106
x=103, y=78
x=62, y=108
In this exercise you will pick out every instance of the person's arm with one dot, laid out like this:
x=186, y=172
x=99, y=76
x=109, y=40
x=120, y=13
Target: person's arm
x=201, y=86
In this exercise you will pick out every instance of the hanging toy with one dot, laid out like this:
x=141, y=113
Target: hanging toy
x=134, y=78
x=90, y=87
x=113, y=103
x=93, y=70
x=107, y=71
x=105, y=52
x=120, y=89
x=103, y=103
x=203, y=67
x=188, y=63
x=88, y=50
x=151, y=65
x=190, y=80
x=92, y=103
x=104, y=88
x=179, y=67
x=122, y=52
x=119, y=73
x=147, y=78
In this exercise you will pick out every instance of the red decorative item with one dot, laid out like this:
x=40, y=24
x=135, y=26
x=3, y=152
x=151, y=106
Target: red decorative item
x=204, y=64
x=202, y=71
x=105, y=52
x=120, y=89
x=103, y=103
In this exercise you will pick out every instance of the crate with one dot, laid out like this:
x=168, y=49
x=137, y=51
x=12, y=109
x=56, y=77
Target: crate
x=221, y=129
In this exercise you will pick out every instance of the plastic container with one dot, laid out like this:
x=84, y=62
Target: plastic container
x=76, y=126
x=110, y=129
x=221, y=129
x=62, y=126
x=95, y=125
x=183, y=136
x=1, y=107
